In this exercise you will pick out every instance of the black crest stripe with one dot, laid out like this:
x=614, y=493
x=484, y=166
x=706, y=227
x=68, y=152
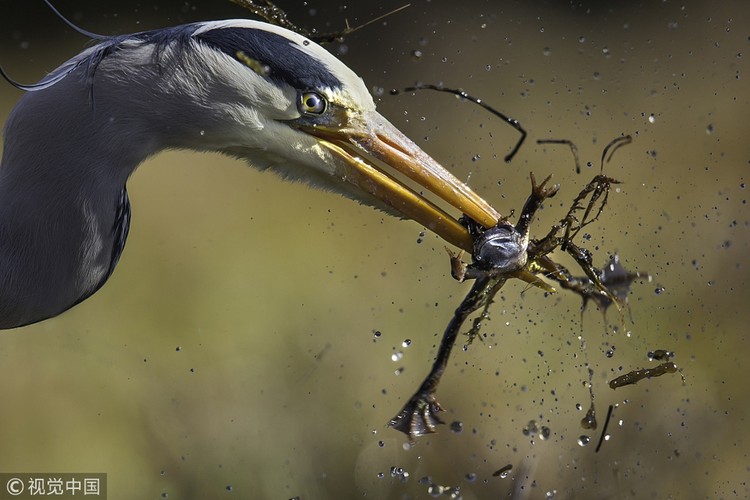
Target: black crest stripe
x=285, y=62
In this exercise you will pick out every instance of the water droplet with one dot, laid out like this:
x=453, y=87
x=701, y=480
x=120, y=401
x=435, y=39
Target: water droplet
x=550, y=494
x=457, y=426
x=471, y=477
x=203, y=132
x=400, y=473
x=530, y=429
x=420, y=238
x=399, y=371
x=710, y=129
x=589, y=420
x=435, y=490
x=396, y=356
x=406, y=343
x=546, y=51
x=581, y=39
x=651, y=118
x=659, y=290
x=488, y=67
x=583, y=440
x=544, y=433
x=416, y=54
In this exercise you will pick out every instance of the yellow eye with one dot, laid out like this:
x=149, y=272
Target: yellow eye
x=312, y=103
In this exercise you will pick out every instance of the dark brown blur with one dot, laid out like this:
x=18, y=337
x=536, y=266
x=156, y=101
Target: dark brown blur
x=235, y=347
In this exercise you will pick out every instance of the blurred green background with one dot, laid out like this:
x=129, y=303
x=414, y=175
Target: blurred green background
x=233, y=354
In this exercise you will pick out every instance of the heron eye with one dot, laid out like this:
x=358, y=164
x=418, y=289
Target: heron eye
x=313, y=103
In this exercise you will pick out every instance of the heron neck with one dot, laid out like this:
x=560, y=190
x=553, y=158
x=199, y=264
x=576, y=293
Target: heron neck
x=63, y=171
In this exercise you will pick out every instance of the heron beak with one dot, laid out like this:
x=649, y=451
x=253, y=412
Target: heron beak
x=373, y=136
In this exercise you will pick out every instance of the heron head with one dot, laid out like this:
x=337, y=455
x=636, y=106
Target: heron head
x=282, y=102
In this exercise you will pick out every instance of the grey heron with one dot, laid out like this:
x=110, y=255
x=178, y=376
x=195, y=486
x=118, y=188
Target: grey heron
x=244, y=88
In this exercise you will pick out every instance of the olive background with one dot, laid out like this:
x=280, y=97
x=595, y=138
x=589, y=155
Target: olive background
x=234, y=352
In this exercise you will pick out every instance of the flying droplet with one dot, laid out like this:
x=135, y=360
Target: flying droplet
x=435, y=490
x=544, y=433
x=589, y=420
